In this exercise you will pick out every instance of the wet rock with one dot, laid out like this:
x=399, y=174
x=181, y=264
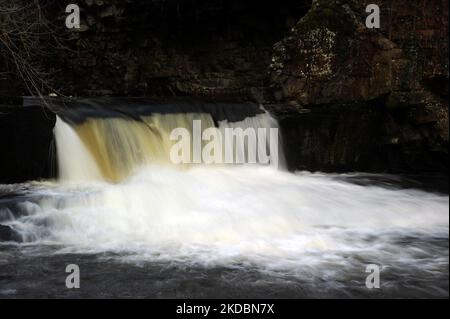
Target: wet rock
x=7, y=234
x=331, y=59
x=26, y=135
x=327, y=59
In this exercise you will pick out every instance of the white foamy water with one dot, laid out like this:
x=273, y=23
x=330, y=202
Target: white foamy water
x=303, y=226
x=75, y=161
x=229, y=216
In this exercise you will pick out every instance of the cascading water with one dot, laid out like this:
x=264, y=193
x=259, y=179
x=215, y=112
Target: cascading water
x=103, y=141
x=118, y=193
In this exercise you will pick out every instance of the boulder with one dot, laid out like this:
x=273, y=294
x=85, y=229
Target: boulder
x=8, y=234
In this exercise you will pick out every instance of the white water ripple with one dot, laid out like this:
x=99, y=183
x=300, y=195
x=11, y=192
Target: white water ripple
x=240, y=217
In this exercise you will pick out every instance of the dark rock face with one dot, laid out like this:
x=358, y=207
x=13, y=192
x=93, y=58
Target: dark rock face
x=348, y=98
x=396, y=77
x=358, y=138
x=209, y=48
x=330, y=56
x=26, y=135
x=7, y=234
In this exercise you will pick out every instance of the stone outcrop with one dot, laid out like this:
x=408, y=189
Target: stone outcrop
x=348, y=97
x=330, y=58
x=213, y=48
x=7, y=234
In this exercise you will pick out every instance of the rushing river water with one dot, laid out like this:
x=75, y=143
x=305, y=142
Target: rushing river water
x=226, y=232
x=138, y=226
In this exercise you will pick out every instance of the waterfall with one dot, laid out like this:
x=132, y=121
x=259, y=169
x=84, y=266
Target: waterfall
x=75, y=161
x=121, y=192
x=116, y=146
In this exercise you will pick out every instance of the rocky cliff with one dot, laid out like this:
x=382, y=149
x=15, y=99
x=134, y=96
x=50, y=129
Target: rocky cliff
x=213, y=48
x=395, y=78
x=348, y=97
